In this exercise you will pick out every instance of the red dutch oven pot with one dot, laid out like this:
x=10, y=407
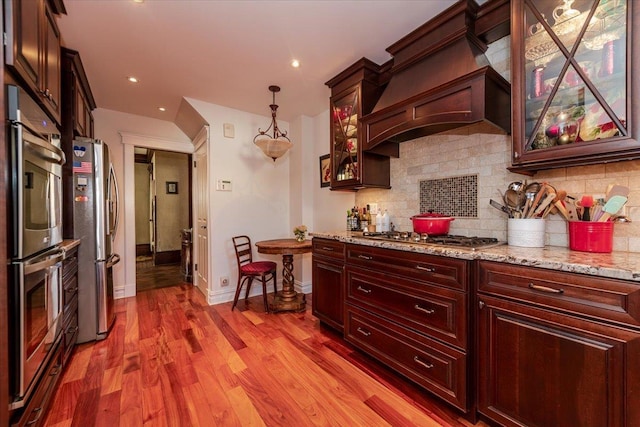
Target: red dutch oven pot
x=431, y=223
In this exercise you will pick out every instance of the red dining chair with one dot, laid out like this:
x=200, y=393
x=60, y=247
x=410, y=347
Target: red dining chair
x=249, y=270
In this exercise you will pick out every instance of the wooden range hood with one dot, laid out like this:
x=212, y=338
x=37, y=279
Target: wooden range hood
x=439, y=80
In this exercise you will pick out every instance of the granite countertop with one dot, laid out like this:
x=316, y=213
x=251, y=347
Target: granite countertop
x=615, y=265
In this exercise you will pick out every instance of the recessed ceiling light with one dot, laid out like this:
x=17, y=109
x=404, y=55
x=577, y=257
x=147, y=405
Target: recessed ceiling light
x=138, y=1
x=295, y=63
x=132, y=79
x=162, y=109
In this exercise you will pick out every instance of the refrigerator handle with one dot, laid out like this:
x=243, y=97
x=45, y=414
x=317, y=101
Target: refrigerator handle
x=112, y=177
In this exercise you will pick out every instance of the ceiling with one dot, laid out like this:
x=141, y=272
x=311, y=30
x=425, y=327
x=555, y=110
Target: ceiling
x=229, y=52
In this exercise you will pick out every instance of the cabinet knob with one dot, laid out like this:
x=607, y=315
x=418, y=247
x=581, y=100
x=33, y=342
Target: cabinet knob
x=481, y=304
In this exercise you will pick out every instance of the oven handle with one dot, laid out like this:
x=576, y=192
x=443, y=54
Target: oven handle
x=56, y=156
x=53, y=259
x=113, y=260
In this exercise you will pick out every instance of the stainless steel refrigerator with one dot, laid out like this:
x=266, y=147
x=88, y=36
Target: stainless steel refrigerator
x=95, y=218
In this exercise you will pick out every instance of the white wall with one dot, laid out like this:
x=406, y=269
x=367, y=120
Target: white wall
x=258, y=204
x=268, y=198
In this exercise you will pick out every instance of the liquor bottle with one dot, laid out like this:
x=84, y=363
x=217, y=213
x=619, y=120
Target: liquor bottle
x=364, y=222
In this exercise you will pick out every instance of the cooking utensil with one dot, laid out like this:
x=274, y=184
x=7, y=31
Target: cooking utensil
x=544, y=203
x=586, y=202
x=616, y=190
x=559, y=204
x=500, y=207
x=431, y=223
x=612, y=207
x=537, y=199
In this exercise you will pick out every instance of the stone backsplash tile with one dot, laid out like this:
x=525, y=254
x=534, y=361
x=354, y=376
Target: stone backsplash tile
x=482, y=151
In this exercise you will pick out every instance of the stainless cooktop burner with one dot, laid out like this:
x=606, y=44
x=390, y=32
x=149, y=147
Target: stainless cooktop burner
x=446, y=240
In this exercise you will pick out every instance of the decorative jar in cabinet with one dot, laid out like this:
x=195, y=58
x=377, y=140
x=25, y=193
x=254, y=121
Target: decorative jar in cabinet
x=573, y=99
x=354, y=93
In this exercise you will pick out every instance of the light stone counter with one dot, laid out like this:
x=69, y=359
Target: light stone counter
x=616, y=265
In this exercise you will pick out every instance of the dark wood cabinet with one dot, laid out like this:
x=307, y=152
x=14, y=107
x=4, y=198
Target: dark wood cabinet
x=573, y=99
x=34, y=50
x=328, y=282
x=410, y=311
x=354, y=93
x=556, y=348
x=77, y=121
x=70, y=303
x=34, y=414
x=77, y=98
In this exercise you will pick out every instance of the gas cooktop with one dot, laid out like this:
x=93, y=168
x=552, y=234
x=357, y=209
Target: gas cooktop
x=473, y=242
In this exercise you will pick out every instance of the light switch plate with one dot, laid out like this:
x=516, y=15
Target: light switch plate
x=228, y=130
x=223, y=185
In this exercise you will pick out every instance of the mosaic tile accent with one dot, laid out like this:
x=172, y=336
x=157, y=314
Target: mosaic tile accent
x=456, y=196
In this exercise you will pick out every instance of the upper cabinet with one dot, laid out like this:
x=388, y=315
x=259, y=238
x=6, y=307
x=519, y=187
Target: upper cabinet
x=77, y=98
x=573, y=100
x=354, y=93
x=34, y=49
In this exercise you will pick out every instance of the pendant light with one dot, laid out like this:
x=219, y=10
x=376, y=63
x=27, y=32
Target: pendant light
x=276, y=145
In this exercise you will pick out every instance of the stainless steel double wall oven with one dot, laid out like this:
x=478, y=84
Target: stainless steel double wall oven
x=36, y=233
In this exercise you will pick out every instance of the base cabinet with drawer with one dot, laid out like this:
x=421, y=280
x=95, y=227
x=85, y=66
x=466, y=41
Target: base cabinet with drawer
x=327, y=298
x=557, y=349
x=409, y=311
x=70, y=303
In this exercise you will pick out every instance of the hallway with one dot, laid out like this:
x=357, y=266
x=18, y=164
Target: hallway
x=149, y=276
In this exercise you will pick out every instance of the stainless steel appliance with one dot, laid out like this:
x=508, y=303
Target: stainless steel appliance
x=447, y=240
x=95, y=218
x=36, y=181
x=35, y=289
x=37, y=307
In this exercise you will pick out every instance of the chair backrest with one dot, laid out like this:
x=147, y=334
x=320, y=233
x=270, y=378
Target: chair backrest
x=242, y=245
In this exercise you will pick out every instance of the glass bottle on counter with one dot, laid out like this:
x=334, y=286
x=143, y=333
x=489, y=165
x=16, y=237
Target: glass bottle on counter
x=364, y=221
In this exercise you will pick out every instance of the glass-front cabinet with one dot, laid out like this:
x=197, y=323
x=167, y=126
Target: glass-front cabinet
x=573, y=98
x=344, y=129
x=354, y=93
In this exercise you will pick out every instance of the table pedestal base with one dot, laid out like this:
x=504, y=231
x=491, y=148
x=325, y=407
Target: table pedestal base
x=288, y=299
x=282, y=303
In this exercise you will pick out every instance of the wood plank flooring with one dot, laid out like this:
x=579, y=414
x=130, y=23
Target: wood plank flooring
x=172, y=360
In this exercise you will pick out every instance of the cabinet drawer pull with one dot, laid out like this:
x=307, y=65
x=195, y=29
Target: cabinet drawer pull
x=424, y=310
x=368, y=258
x=427, y=269
x=38, y=412
x=545, y=289
x=365, y=290
x=327, y=248
x=420, y=362
x=363, y=332
x=72, y=329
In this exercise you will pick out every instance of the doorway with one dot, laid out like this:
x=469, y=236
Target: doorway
x=162, y=215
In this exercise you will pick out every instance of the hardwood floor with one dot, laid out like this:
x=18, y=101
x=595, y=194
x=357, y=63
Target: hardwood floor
x=172, y=360
x=150, y=276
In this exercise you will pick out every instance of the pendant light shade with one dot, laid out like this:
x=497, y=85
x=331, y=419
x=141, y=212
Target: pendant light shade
x=277, y=144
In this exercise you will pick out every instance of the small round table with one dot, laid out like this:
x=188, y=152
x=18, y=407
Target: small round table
x=288, y=299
